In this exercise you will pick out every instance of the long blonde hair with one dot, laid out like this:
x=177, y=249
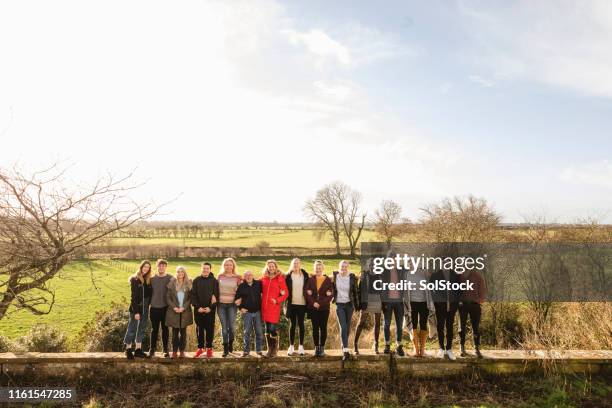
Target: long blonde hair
x=265, y=270
x=186, y=285
x=292, y=264
x=222, y=270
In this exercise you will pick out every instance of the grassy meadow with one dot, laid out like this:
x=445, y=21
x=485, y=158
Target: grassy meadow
x=302, y=238
x=86, y=287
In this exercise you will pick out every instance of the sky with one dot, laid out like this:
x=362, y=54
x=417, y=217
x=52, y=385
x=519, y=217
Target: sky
x=242, y=110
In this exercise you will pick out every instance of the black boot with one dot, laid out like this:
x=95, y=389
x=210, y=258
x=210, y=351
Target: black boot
x=129, y=353
x=225, y=350
x=317, y=352
x=166, y=353
x=376, y=351
x=322, y=348
x=478, y=353
x=387, y=349
x=356, y=348
x=346, y=356
x=151, y=353
x=230, y=346
x=138, y=353
x=400, y=351
x=463, y=352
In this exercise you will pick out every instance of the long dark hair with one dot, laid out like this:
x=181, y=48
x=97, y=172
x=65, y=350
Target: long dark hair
x=142, y=277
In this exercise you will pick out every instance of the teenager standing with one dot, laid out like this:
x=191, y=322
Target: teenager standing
x=393, y=307
x=346, y=298
x=159, y=305
x=419, y=303
x=371, y=305
x=274, y=294
x=179, y=315
x=140, y=289
x=227, y=309
x=470, y=302
x=446, y=304
x=319, y=293
x=296, y=304
x=248, y=299
x=204, y=295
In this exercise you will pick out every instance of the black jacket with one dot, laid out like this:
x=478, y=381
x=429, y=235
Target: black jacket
x=445, y=295
x=386, y=278
x=289, y=283
x=250, y=296
x=202, y=291
x=139, y=292
x=353, y=290
x=366, y=288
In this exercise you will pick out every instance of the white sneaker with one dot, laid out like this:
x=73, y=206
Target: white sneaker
x=441, y=353
x=450, y=355
x=301, y=350
x=290, y=351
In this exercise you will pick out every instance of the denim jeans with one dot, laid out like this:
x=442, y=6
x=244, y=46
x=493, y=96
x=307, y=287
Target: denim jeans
x=344, y=311
x=251, y=320
x=227, y=316
x=136, y=328
x=397, y=309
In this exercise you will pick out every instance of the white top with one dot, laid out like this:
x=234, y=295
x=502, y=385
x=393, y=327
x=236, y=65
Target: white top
x=297, y=289
x=343, y=286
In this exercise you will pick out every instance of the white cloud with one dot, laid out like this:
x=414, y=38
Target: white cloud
x=565, y=44
x=597, y=174
x=484, y=82
x=322, y=45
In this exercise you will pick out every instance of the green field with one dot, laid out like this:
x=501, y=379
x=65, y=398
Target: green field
x=249, y=238
x=84, y=288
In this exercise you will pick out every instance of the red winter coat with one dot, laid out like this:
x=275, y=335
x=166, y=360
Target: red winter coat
x=271, y=289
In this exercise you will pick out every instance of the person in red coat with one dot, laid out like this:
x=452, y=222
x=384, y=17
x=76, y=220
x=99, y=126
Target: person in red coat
x=274, y=293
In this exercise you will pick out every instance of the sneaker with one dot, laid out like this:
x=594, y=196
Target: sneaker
x=290, y=350
x=400, y=351
x=209, y=353
x=441, y=353
x=450, y=355
x=198, y=353
x=346, y=356
x=387, y=349
x=166, y=354
x=138, y=353
x=174, y=354
x=301, y=350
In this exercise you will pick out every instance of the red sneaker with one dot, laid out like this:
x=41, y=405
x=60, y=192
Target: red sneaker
x=198, y=353
x=174, y=354
x=209, y=353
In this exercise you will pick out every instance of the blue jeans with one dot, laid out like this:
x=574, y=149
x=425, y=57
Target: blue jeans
x=136, y=328
x=227, y=316
x=344, y=311
x=249, y=320
x=395, y=309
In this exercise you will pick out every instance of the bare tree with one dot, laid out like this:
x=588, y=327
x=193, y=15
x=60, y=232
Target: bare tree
x=336, y=208
x=44, y=224
x=460, y=219
x=388, y=221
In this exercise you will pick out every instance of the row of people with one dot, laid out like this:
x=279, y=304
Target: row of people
x=176, y=302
